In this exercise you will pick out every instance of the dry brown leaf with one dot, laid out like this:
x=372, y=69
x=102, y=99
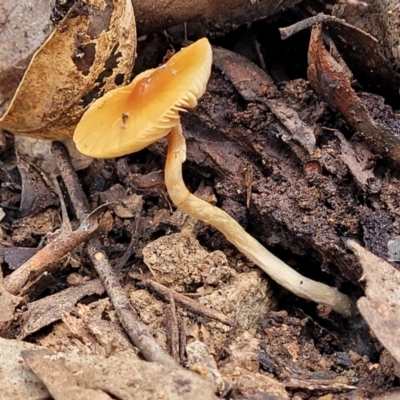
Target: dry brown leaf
x=69, y=375
x=381, y=306
x=329, y=80
x=91, y=50
x=59, y=380
x=17, y=47
x=17, y=382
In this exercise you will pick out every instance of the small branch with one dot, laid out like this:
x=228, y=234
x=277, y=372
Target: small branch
x=304, y=24
x=71, y=181
x=54, y=251
x=139, y=334
x=183, y=301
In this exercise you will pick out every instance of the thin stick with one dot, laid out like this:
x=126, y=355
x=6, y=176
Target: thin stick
x=189, y=304
x=75, y=191
x=49, y=254
x=250, y=247
x=172, y=328
x=138, y=333
x=288, y=31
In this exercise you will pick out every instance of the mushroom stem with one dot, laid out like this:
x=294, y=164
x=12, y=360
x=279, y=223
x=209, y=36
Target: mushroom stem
x=250, y=247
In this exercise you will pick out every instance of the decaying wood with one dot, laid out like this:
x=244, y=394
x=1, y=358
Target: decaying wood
x=99, y=377
x=45, y=311
x=381, y=19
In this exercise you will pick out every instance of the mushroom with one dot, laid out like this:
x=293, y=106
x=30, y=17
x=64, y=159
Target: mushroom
x=128, y=119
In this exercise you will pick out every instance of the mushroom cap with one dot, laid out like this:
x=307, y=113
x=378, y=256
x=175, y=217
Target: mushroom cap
x=130, y=118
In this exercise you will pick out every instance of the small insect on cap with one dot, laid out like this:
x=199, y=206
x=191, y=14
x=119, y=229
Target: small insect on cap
x=130, y=118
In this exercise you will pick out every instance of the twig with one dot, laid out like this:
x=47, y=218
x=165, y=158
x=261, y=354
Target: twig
x=140, y=336
x=172, y=328
x=304, y=24
x=51, y=253
x=182, y=340
x=71, y=181
x=66, y=223
x=191, y=305
x=138, y=333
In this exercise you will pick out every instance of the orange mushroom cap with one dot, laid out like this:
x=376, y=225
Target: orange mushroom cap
x=130, y=118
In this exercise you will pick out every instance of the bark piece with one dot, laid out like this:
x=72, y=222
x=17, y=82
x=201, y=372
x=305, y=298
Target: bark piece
x=50, y=309
x=120, y=377
x=155, y=15
x=381, y=19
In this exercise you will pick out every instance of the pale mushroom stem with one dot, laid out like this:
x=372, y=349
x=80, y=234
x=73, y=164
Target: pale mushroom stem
x=246, y=244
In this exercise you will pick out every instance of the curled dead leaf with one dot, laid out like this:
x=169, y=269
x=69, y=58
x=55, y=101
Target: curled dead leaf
x=362, y=112
x=90, y=52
